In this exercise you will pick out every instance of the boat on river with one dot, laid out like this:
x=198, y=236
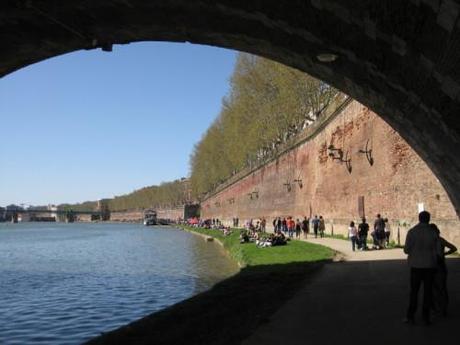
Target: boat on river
x=150, y=217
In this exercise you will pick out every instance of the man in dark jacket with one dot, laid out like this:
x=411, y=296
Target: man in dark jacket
x=423, y=249
x=306, y=226
x=363, y=229
x=379, y=232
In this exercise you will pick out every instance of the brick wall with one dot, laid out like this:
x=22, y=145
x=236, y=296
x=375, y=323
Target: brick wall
x=394, y=185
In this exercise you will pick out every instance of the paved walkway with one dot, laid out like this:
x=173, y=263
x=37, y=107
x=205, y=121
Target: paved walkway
x=344, y=247
x=361, y=300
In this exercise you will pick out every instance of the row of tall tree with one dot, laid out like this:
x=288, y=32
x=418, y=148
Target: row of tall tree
x=268, y=105
x=165, y=195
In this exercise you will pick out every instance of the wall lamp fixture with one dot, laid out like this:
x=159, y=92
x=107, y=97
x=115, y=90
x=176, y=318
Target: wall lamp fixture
x=288, y=186
x=327, y=57
x=368, y=152
x=299, y=182
x=347, y=162
x=256, y=194
x=231, y=200
x=337, y=154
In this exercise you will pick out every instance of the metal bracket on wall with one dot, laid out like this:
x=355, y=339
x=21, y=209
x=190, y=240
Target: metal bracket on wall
x=368, y=152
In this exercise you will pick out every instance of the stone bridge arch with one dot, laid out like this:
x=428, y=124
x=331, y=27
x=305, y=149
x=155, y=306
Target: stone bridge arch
x=400, y=58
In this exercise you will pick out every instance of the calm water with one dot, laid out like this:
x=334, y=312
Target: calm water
x=66, y=283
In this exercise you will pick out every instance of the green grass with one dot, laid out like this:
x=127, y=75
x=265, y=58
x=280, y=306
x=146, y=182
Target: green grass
x=234, y=308
x=248, y=254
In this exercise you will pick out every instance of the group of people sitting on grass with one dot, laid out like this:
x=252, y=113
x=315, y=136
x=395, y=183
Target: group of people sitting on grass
x=380, y=235
x=215, y=224
x=262, y=239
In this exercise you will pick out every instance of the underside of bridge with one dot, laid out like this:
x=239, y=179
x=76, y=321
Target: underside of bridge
x=400, y=58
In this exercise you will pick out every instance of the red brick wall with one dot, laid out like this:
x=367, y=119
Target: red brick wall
x=393, y=186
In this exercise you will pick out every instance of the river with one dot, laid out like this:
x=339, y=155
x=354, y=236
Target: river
x=66, y=283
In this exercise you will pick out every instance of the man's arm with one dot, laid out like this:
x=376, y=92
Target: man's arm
x=450, y=246
x=409, y=243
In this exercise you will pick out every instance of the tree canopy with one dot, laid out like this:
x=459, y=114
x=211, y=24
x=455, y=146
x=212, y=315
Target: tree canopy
x=165, y=195
x=268, y=104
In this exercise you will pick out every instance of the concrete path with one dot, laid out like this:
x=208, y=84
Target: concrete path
x=363, y=301
x=344, y=247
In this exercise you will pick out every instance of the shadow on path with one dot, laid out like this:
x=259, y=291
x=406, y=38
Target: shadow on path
x=362, y=302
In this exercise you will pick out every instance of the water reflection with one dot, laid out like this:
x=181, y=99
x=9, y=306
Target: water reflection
x=65, y=283
x=213, y=256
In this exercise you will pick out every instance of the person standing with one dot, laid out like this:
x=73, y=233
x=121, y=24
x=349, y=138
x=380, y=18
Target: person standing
x=440, y=295
x=263, y=223
x=305, y=226
x=423, y=249
x=291, y=227
x=298, y=228
x=321, y=226
x=353, y=234
x=379, y=231
x=316, y=226
x=363, y=229
x=387, y=231
x=284, y=225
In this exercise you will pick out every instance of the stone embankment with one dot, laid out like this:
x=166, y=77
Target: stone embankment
x=134, y=216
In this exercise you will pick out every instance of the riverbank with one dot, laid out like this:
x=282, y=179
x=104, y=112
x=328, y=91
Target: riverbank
x=234, y=308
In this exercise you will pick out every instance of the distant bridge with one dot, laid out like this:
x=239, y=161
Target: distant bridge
x=53, y=212
x=14, y=215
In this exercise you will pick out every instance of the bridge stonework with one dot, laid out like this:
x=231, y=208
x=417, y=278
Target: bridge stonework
x=132, y=216
x=394, y=185
x=173, y=213
x=400, y=58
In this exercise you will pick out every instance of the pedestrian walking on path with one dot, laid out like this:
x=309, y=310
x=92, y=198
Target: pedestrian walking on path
x=315, y=226
x=305, y=226
x=379, y=232
x=322, y=226
x=363, y=229
x=423, y=249
x=353, y=234
x=298, y=228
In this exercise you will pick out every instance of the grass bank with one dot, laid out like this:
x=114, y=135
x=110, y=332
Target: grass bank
x=234, y=308
x=248, y=254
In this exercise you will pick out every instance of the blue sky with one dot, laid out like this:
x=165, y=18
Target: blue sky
x=91, y=124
